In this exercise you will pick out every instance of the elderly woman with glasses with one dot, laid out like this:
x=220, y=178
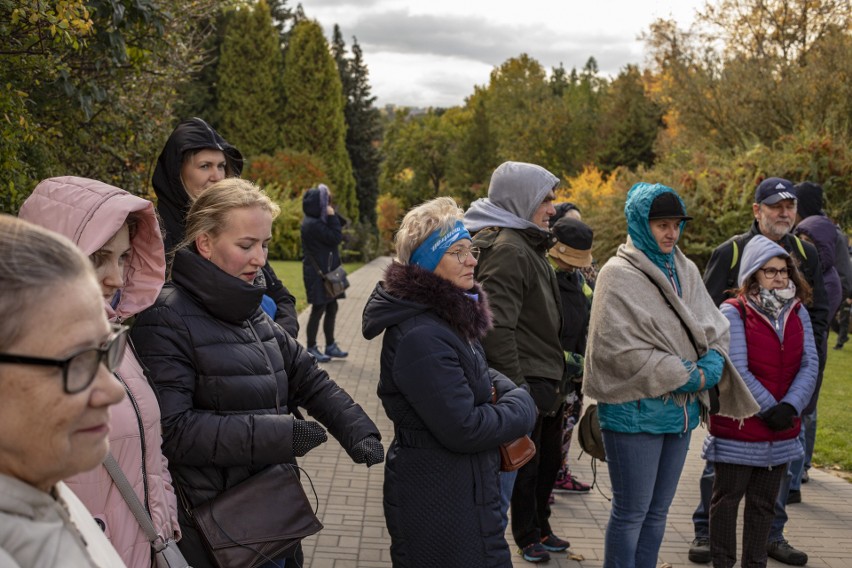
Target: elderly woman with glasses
x=442, y=490
x=772, y=346
x=56, y=389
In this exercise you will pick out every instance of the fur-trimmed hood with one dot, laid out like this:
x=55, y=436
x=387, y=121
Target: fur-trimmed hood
x=408, y=290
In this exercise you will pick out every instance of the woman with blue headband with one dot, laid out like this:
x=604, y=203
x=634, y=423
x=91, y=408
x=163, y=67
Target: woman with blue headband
x=442, y=490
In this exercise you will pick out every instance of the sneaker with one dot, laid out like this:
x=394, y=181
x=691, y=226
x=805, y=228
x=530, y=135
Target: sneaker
x=318, y=355
x=699, y=551
x=570, y=484
x=794, y=496
x=838, y=347
x=781, y=551
x=535, y=553
x=334, y=351
x=554, y=544
x=805, y=477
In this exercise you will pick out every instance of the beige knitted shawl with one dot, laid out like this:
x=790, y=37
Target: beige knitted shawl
x=637, y=343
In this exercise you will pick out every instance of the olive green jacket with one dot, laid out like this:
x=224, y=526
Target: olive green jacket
x=524, y=296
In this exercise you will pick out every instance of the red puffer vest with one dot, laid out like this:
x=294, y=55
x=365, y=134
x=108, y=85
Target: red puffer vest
x=773, y=363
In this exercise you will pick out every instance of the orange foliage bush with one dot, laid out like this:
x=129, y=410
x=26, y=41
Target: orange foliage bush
x=389, y=213
x=290, y=172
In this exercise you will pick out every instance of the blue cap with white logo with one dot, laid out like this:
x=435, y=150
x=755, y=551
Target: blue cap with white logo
x=773, y=190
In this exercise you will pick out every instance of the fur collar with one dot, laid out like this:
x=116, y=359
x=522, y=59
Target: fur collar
x=470, y=319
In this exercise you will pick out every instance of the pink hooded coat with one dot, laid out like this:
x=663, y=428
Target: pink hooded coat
x=89, y=213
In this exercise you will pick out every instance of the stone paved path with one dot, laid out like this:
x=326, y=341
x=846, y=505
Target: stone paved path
x=350, y=496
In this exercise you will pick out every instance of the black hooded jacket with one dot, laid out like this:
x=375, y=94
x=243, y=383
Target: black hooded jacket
x=321, y=238
x=173, y=202
x=442, y=490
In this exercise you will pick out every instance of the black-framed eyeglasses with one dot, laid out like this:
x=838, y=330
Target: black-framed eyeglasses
x=462, y=254
x=79, y=370
x=773, y=272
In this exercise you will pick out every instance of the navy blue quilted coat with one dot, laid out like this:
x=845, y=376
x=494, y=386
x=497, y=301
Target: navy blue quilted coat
x=442, y=489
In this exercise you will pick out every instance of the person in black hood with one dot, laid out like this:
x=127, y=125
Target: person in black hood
x=322, y=233
x=196, y=156
x=442, y=487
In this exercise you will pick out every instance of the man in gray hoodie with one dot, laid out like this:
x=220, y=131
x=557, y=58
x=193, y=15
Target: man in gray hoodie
x=511, y=228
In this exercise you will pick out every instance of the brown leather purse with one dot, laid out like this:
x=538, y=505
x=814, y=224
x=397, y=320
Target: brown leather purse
x=515, y=454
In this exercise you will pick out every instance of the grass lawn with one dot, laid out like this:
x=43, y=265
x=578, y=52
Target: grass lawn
x=290, y=272
x=834, y=421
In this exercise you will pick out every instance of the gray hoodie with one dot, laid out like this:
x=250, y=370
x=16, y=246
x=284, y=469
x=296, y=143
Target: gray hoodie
x=515, y=192
x=756, y=253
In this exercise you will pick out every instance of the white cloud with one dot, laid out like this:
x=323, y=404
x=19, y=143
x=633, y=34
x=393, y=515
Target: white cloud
x=433, y=53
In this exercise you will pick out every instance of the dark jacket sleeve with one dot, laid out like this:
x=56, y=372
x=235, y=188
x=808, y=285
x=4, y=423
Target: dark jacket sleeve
x=718, y=272
x=311, y=388
x=504, y=278
x=286, y=315
x=818, y=311
x=843, y=264
x=428, y=373
x=329, y=233
x=198, y=437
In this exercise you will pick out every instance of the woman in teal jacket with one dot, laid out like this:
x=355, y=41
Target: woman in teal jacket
x=657, y=344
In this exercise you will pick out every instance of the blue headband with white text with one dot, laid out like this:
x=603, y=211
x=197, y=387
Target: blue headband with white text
x=429, y=254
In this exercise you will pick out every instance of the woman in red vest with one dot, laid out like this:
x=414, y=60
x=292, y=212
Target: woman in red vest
x=772, y=346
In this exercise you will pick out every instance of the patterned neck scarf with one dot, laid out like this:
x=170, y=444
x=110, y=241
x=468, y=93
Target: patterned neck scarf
x=772, y=302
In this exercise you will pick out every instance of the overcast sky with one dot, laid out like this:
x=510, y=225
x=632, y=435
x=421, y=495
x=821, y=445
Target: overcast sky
x=433, y=52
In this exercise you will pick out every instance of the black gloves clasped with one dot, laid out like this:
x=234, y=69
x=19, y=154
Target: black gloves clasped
x=307, y=436
x=368, y=451
x=780, y=417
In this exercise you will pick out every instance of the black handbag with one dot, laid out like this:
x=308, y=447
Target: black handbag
x=257, y=520
x=334, y=281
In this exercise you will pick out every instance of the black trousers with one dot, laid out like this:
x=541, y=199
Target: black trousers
x=530, y=511
x=317, y=311
x=760, y=487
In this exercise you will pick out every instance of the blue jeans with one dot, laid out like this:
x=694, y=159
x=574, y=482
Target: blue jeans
x=807, y=436
x=701, y=516
x=644, y=470
x=507, y=484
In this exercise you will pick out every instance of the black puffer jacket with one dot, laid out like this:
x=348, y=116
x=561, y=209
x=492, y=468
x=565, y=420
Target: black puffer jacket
x=575, y=311
x=321, y=238
x=173, y=202
x=442, y=490
x=227, y=378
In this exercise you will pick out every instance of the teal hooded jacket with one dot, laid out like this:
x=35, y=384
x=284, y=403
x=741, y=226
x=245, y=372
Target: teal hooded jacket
x=659, y=415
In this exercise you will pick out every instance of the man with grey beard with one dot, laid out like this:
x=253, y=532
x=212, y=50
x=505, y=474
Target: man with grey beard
x=774, y=211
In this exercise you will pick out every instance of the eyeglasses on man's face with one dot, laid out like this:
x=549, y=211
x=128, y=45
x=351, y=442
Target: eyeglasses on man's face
x=80, y=369
x=462, y=253
x=773, y=272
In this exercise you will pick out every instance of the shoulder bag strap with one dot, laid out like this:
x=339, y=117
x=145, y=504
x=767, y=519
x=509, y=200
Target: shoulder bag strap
x=316, y=266
x=714, y=392
x=672, y=308
x=131, y=498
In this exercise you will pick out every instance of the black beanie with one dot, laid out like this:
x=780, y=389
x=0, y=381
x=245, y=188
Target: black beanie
x=809, y=197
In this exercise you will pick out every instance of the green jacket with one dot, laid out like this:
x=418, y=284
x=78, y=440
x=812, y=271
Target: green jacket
x=524, y=297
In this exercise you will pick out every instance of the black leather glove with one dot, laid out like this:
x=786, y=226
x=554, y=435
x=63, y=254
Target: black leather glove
x=307, y=436
x=780, y=417
x=368, y=451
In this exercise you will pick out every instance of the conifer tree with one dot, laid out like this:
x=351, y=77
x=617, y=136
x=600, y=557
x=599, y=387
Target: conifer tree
x=363, y=125
x=313, y=113
x=249, y=81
